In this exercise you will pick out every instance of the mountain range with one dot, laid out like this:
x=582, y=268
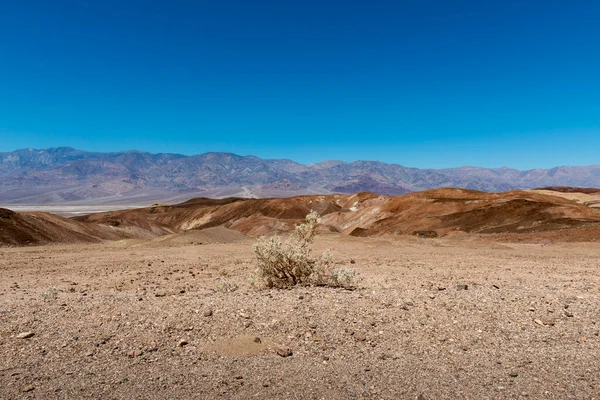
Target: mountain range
x=68, y=176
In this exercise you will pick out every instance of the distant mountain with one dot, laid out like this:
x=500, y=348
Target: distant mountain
x=66, y=175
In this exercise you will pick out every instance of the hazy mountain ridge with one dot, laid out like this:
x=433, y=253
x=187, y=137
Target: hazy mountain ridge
x=68, y=175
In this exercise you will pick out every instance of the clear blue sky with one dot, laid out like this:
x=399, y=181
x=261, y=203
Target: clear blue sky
x=421, y=83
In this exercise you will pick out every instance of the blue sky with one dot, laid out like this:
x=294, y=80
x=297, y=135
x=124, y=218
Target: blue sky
x=421, y=83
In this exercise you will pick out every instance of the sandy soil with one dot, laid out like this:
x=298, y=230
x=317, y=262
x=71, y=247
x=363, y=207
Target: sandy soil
x=147, y=320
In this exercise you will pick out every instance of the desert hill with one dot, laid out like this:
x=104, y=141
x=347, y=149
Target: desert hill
x=19, y=229
x=367, y=214
x=552, y=214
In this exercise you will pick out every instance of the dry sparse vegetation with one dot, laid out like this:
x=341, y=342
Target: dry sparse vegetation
x=290, y=263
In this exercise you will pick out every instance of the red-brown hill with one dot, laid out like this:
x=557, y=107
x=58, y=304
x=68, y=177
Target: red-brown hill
x=430, y=213
x=366, y=214
x=35, y=228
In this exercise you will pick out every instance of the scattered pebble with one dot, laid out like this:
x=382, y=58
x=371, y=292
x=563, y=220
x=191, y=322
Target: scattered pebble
x=360, y=337
x=25, y=335
x=284, y=351
x=462, y=286
x=28, y=388
x=134, y=353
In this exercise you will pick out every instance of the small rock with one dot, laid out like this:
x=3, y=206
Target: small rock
x=538, y=321
x=208, y=313
x=25, y=335
x=441, y=288
x=300, y=297
x=513, y=374
x=313, y=326
x=360, y=337
x=257, y=340
x=548, y=321
x=182, y=343
x=462, y=287
x=134, y=353
x=28, y=388
x=238, y=377
x=247, y=324
x=569, y=314
x=432, y=296
x=284, y=351
x=496, y=286
x=160, y=293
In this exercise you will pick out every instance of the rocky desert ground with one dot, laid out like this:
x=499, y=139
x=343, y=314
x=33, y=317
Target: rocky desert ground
x=455, y=317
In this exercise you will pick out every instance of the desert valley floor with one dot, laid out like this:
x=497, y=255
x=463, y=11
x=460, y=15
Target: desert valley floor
x=178, y=319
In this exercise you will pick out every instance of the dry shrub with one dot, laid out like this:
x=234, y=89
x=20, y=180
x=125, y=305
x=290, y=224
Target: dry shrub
x=290, y=263
x=344, y=277
x=50, y=294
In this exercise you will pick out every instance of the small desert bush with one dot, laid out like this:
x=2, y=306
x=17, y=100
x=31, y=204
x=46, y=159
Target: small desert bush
x=226, y=286
x=290, y=263
x=344, y=277
x=50, y=294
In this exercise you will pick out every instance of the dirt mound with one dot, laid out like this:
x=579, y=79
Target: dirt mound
x=24, y=229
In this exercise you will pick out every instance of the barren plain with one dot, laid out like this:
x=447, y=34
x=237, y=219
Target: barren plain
x=445, y=318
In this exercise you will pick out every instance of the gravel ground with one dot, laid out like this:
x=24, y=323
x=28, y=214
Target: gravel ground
x=431, y=319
